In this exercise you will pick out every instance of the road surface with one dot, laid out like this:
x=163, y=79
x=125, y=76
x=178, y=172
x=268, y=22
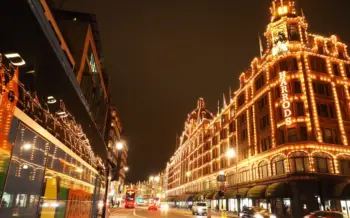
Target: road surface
x=142, y=212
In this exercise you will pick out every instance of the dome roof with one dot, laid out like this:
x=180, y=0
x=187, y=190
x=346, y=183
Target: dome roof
x=199, y=114
x=195, y=118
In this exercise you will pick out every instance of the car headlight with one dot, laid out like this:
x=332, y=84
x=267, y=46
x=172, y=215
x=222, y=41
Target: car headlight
x=258, y=216
x=200, y=210
x=273, y=216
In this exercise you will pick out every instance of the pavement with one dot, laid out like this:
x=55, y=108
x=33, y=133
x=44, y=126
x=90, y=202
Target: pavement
x=142, y=212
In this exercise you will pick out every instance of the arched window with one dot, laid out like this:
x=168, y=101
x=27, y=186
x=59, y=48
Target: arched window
x=344, y=164
x=255, y=173
x=231, y=179
x=323, y=163
x=299, y=162
x=263, y=169
x=244, y=174
x=278, y=166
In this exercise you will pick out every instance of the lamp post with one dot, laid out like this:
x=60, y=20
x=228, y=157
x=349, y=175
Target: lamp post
x=230, y=154
x=119, y=145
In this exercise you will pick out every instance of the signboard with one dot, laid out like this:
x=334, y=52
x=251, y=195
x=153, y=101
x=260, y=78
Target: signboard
x=287, y=112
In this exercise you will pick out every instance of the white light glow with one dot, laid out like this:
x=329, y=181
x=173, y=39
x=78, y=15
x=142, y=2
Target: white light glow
x=231, y=153
x=15, y=55
x=119, y=146
x=51, y=100
x=27, y=146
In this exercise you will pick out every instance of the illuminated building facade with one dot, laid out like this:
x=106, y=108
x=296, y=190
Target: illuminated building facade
x=53, y=152
x=117, y=156
x=288, y=124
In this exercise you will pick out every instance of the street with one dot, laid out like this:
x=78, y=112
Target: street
x=142, y=212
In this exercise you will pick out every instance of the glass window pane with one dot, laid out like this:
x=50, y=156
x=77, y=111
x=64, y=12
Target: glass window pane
x=299, y=164
x=322, y=165
x=27, y=166
x=279, y=167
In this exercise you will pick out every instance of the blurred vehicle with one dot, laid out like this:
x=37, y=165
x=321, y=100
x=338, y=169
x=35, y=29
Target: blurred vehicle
x=152, y=207
x=164, y=206
x=130, y=198
x=326, y=214
x=199, y=208
x=256, y=212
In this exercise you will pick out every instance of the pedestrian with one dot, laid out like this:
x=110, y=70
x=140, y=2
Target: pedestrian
x=285, y=209
x=209, y=212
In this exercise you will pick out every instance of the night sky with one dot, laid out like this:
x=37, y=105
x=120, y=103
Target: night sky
x=162, y=55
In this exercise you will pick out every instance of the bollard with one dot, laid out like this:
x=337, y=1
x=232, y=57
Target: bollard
x=209, y=212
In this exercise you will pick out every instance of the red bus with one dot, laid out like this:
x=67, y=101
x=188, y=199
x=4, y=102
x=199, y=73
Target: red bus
x=130, y=198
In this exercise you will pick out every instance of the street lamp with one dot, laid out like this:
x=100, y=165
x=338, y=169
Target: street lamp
x=126, y=169
x=151, y=178
x=157, y=178
x=230, y=154
x=119, y=145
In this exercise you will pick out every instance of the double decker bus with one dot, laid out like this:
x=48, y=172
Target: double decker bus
x=130, y=198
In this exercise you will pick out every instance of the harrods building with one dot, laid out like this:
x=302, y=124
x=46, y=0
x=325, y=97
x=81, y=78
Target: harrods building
x=288, y=123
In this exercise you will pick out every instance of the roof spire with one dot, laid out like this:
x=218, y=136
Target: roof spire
x=224, y=100
x=302, y=13
x=230, y=93
x=218, y=106
x=260, y=46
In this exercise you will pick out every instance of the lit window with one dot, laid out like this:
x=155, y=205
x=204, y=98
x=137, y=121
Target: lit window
x=299, y=162
x=344, y=165
x=278, y=166
x=323, y=163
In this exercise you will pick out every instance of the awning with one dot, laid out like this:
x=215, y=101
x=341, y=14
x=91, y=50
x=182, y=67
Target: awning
x=190, y=198
x=229, y=193
x=180, y=198
x=199, y=196
x=186, y=197
x=169, y=199
x=166, y=199
x=210, y=195
x=257, y=191
x=278, y=190
x=342, y=190
x=216, y=195
x=242, y=192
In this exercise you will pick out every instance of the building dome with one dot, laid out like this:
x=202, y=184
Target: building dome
x=199, y=114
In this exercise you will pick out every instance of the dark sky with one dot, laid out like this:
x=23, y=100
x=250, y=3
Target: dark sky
x=162, y=55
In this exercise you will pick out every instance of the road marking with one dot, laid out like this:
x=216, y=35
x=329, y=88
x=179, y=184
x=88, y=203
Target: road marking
x=138, y=215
